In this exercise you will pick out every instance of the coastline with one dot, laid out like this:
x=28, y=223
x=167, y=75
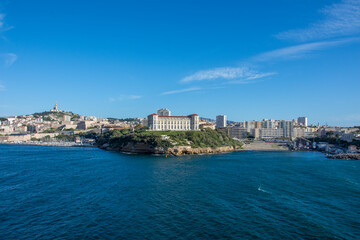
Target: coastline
x=345, y=156
x=183, y=150
x=175, y=151
x=143, y=148
x=49, y=144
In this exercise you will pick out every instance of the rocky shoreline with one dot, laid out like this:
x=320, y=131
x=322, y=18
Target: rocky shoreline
x=142, y=148
x=179, y=151
x=49, y=144
x=346, y=156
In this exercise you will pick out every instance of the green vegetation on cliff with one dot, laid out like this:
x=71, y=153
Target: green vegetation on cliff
x=166, y=139
x=51, y=116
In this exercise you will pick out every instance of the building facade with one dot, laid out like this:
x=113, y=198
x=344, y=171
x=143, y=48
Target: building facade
x=66, y=118
x=287, y=127
x=249, y=125
x=270, y=133
x=268, y=123
x=220, y=121
x=173, y=123
x=236, y=132
x=302, y=121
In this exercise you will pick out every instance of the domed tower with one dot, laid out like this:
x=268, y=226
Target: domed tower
x=55, y=109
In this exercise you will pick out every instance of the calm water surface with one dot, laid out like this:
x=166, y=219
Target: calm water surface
x=77, y=193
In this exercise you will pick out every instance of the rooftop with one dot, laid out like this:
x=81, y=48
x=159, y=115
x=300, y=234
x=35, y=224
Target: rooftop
x=173, y=116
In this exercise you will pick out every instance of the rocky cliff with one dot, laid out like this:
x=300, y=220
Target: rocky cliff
x=175, y=151
x=186, y=150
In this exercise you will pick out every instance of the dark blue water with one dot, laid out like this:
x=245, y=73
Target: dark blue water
x=77, y=193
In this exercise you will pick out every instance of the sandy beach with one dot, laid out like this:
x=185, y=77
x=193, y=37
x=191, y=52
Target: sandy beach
x=265, y=146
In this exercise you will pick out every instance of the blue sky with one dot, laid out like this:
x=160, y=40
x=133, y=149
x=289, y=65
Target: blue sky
x=246, y=59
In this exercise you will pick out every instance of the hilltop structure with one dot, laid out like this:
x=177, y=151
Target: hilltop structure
x=165, y=122
x=55, y=109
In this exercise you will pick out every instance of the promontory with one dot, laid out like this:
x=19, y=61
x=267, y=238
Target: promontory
x=168, y=142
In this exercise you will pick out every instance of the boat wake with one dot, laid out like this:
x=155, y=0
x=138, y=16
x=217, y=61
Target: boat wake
x=262, y=190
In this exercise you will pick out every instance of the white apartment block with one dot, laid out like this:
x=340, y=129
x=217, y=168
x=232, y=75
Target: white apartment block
x=249, y=125
x=287, y=127
x=269, y=133
x=220, y=121
x=236, y=132
x=302, y=121
x=268, y=123
x=173, y=123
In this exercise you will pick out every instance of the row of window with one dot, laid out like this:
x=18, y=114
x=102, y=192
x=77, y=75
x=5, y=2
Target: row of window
x=173, y=122
x=171, y=127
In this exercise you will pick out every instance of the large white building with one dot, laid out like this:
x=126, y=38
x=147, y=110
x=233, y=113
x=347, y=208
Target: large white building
x=268, y=133
x=156, y=122
x=268, y=123
x=220, y=121
x=287, y=127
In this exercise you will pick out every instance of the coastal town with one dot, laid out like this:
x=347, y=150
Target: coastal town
x=62, y=128
x=165, y=120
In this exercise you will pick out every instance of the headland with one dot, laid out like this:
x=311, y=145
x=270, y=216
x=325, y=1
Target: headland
x=168, y=142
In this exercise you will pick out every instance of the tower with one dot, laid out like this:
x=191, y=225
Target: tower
x=220, y=121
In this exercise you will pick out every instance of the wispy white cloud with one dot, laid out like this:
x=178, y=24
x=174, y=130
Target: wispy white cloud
x=181, y=90
x=253, y=79
x=260, y=75
x=3, y=27
x=225, y=74
x=301, y=50
x=133, y=97
x=8, y=58
x=341, y=19
x=2, y=87
x=123, y=97
x=2, y=16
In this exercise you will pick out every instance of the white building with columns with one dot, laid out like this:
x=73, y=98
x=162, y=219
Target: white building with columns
x=156, y=122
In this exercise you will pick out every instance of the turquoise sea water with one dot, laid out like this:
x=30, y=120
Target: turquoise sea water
x=88, y=193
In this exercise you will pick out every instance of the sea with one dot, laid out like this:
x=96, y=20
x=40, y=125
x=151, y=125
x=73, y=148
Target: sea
x=89, y=193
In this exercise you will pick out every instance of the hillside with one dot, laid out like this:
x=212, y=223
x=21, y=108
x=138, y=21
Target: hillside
x=53, y=116
x=168, y=142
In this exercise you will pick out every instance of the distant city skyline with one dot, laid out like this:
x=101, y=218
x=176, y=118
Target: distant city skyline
x=248, y=60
